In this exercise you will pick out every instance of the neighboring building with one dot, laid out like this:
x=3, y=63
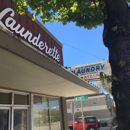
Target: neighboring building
x=34, y=84
x=99, y=105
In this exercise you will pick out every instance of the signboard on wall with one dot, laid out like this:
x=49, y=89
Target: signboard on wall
x=30, y=31
x=91, y=72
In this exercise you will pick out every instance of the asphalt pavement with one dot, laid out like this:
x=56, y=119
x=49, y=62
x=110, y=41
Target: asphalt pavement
x=108, y=128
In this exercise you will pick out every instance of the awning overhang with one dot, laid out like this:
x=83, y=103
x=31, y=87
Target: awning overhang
x=24, y=68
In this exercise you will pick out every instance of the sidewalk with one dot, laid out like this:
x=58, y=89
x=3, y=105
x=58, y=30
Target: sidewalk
x=108, y=128
x=114, y=127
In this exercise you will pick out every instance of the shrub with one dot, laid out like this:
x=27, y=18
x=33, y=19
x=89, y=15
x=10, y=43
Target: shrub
x=103, y=124
x=114, y=122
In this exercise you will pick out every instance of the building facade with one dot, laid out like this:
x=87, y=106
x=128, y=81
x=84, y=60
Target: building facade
x=34, y=84
x=99, y=105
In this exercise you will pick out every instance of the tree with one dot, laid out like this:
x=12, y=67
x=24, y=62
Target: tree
x=114, y=14
x=105, y=85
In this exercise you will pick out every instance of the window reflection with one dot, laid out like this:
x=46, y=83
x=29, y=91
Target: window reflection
x=41, y=112
x=4, y=119
x=46, y=113
x=54, y=114
x=21, y=99
x=5, y=98
x=20, y=119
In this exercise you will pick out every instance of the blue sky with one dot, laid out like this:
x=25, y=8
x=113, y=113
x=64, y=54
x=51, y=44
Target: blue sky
x=80, y=46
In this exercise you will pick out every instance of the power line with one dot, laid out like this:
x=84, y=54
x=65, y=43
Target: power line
x=84, y=51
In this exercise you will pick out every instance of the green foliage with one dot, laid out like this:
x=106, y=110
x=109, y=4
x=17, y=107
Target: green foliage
x=44, y=113
x=105, y=85
x=86, y=13
x=114, y=122
x=106, y=80
x=114, y=28
x=122, y=62
x=103, y=124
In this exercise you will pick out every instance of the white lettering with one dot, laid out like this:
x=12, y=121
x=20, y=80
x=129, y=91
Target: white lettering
x=3, y=13
x=41, y=45
x=53, y=54
x=36, y=39
x=29, y=35
x=58, y=58
x=46, y=48
x=56, y=52
x=11, y=23
x=18, y=31
x=49, y=51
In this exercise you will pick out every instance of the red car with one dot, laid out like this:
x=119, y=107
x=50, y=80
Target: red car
x=88, y=123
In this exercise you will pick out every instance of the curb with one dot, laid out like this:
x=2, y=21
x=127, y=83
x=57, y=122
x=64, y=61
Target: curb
x=113, y=127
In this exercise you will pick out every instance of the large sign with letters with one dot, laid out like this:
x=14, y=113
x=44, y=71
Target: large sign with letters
x=91, y=72
x=11, y=23
x=8, y=22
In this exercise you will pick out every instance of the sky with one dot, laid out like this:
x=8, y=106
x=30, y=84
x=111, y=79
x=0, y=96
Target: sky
x=80, y=45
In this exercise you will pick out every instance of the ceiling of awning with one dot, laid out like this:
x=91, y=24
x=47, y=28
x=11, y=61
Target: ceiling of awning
x=23, y=68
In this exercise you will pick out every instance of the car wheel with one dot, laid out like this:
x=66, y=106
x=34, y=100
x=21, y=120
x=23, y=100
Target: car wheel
x=91, y=128
x=71, y=128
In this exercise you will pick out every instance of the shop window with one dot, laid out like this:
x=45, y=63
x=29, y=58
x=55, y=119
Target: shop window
x=46, y=113
x=37, y=100
x=20, y=119
x=4, y=119
x=55, y=117
x=21, y=99
x=5, y=98
x=41, y=113
x=14, y=110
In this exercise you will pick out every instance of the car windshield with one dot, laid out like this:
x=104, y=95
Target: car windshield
x=71, y=121
x=91, y=119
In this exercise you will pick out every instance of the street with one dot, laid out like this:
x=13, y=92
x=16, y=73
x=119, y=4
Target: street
x=107, y=128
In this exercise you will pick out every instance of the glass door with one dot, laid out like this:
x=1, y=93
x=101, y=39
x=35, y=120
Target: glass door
x=14, y=107
x=19, y=119
x=4, y=118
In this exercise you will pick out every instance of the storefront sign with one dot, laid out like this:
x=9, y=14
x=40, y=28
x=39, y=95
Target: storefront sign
x=12, y=26
x=91, y=71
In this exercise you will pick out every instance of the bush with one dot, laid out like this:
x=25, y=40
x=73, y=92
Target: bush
x=103, y=124
x=114, y=122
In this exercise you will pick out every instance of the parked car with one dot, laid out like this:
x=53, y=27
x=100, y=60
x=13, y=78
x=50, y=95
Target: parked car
x=87, y=122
